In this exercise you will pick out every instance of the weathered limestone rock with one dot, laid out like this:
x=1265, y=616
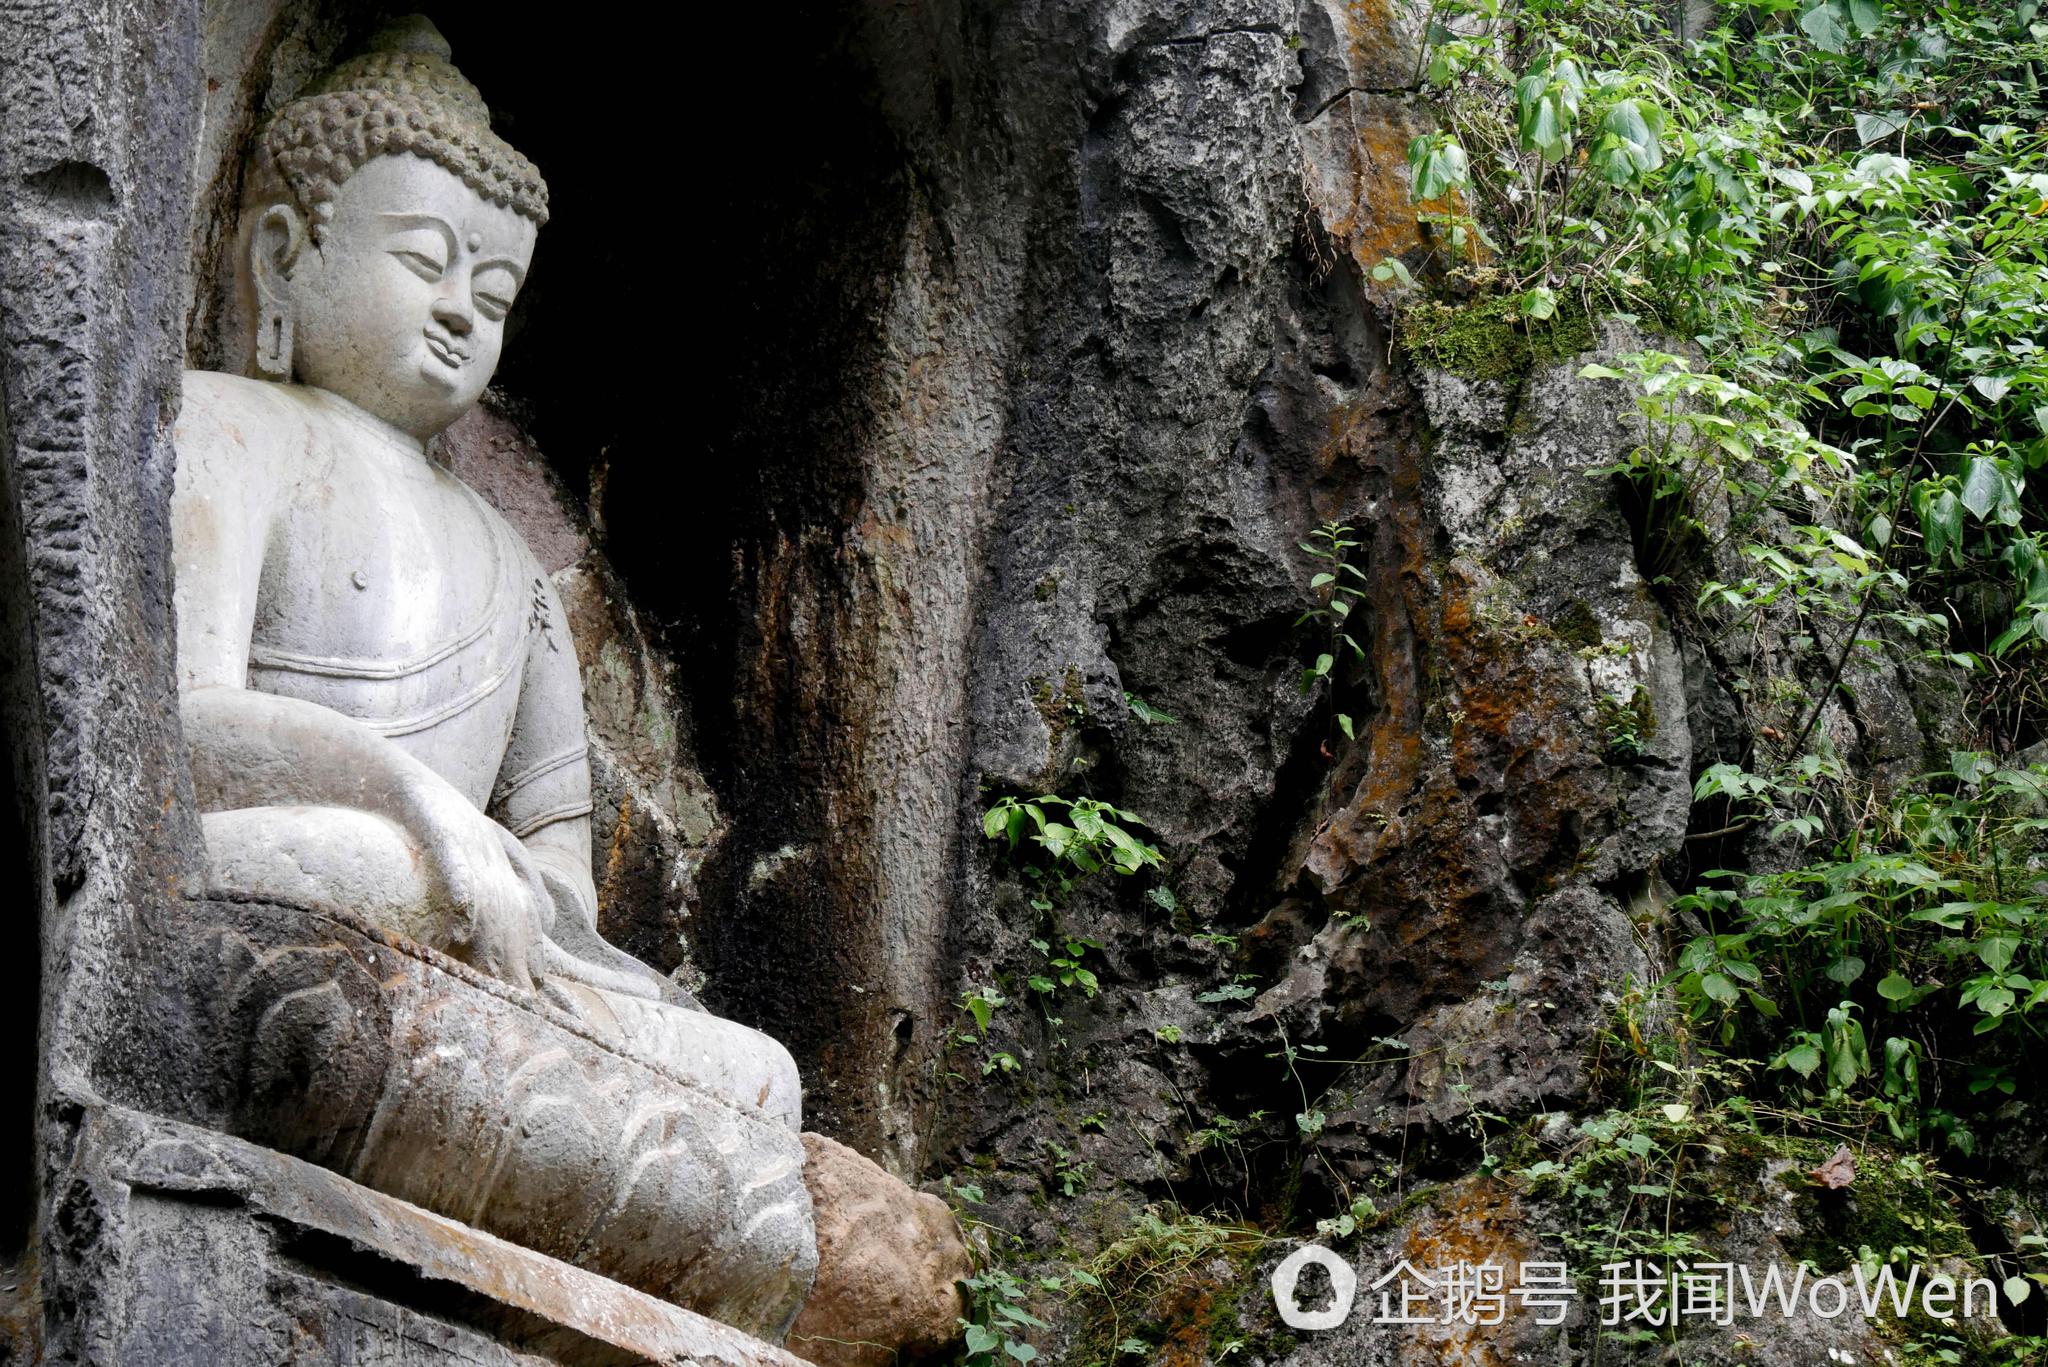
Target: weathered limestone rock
x=889, y=1263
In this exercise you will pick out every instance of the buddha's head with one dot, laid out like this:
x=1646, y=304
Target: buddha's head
x=389, y=231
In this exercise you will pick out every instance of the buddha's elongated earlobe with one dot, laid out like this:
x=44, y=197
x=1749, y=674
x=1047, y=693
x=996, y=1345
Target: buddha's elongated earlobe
x=273, y=250
x=274, y=342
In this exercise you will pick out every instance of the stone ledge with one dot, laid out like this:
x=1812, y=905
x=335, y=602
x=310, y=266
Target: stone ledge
x=195, y=1221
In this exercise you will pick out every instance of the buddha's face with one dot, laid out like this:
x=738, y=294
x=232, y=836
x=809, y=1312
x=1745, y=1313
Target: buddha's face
x=401, y=308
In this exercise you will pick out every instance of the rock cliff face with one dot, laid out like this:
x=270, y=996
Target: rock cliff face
x=1027, y=345
x=1055, y=346
x=1117, y=357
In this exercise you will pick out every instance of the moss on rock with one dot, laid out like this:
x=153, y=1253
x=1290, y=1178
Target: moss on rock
x=1890, y=1205
x=1489, y=339
x=1576, y=625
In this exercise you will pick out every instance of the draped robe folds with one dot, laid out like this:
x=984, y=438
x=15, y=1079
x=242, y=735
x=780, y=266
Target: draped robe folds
x=321, y=557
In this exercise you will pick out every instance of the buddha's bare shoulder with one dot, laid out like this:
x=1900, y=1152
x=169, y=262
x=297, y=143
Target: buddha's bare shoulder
x=224, y=414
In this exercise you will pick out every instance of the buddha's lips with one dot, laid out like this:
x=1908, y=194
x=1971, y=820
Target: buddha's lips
x=446, y=352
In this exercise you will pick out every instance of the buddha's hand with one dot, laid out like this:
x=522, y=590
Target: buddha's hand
x=497, y=905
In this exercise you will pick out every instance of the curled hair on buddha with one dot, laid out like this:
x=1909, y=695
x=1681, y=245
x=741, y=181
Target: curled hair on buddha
x=402, y=95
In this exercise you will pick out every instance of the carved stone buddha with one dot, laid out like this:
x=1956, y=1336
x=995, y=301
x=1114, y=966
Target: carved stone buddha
x=385, y=716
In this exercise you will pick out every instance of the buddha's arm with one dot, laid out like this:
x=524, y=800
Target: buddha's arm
x=223, y=506
x=543, y=797
x=542, y=794
x=253, y=749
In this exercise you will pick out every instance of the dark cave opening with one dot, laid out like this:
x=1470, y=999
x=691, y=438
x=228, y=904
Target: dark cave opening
x=755, y=256
x=695, y=345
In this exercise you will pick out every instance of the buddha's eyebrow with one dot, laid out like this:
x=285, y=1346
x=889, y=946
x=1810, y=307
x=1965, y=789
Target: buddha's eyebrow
x=406, y=222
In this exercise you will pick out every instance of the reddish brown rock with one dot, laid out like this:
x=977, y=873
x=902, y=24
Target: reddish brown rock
x=889, y=1263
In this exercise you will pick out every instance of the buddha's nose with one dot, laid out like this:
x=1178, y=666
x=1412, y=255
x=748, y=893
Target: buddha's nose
x=453, y=312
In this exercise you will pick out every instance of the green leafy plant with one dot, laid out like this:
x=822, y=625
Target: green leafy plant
x=1925, y=919
x=1064, y=969
x=1092, y=839
x=997, y=1325
x=1147, y=713
x=1336, y=584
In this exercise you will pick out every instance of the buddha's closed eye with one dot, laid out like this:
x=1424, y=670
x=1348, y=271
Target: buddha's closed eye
x=424, y=244
x=423, y=252
x=494, y=288
x=422, y=264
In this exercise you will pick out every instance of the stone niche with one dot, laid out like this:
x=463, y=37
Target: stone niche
x=248, y=1129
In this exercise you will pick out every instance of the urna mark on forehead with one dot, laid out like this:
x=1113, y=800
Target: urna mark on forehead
x=407, y=197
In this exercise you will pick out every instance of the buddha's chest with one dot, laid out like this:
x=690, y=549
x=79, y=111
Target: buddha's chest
x=397, y=599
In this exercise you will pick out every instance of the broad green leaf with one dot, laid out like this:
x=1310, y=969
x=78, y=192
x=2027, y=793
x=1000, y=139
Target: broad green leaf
x=1997, y=950
x=2021, y=628
x=1635, y=125
x=1543, y=131
x=1017, y=1315
x=1824, y=23
x=1894, y=987
x=1437, y=165
x=1942, y=523
x=1803, y=1060
x=1982, y=485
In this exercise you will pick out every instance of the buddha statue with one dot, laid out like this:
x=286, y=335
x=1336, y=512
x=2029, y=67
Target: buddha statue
x=384, y=710
x=377, y=680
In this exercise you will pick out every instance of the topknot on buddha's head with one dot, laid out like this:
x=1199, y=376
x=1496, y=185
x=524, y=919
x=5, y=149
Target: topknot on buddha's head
x=402, y=95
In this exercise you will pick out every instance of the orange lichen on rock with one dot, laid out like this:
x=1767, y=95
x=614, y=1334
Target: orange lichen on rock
x=1358, y=178
x=1380, y=43
x=1474, y=1222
